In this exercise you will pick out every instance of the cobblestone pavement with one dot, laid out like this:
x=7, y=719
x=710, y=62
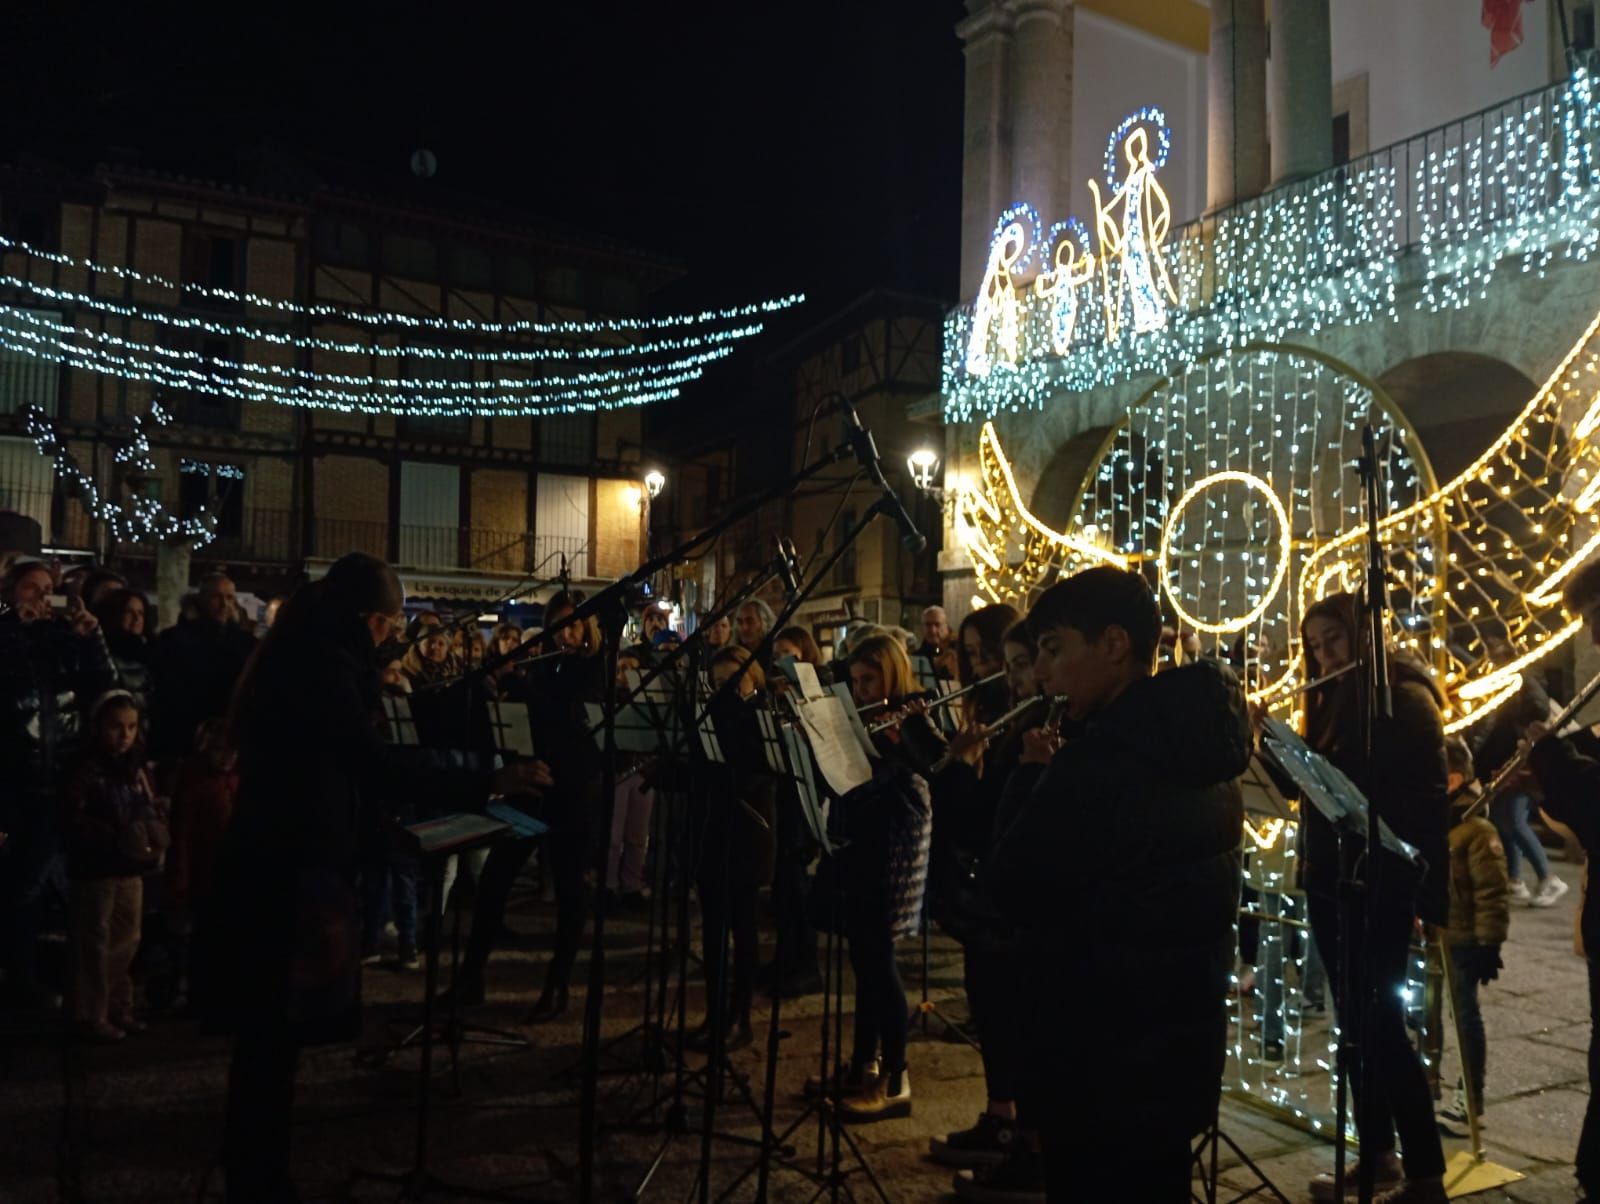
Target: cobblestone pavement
x=146, y=1114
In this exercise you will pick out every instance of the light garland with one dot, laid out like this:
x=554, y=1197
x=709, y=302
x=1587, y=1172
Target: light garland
x=1265, y=596
x=1476, y=559
x=1321, y=253
x=339, y=313
x=599, y=390
x=138, y=520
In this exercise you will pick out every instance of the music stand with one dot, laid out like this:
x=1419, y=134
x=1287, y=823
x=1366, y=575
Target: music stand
x=434, y=840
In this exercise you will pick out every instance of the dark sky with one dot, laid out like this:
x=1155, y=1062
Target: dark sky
x=769, y=147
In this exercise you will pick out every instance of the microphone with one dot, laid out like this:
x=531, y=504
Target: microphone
x=788, y=564
x=867, y=456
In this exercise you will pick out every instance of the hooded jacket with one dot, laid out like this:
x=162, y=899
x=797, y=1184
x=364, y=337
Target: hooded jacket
x=1123, y=858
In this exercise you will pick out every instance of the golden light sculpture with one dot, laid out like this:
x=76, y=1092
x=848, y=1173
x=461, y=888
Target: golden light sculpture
x=1476, y=563
x=1013, y=553
x=1496, y=543
x=1285, y=551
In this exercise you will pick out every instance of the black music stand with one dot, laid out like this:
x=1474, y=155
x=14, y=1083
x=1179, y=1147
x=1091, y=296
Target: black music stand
x=434, y=841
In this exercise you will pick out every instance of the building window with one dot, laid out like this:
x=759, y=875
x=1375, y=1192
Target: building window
x=567, y=439
x=618, y=295
x=217, y=488
x=217, y=406
x=414, y=258
x=1341, y=138
x=341, y=242
x=212, y=261
x=469, y=267
x=35, y=222
x=437, y=428
x=844, y=569
x=561, y=285
x=28, y=380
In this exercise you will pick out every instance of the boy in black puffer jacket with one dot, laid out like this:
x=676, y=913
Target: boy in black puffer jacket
x=1122, y=860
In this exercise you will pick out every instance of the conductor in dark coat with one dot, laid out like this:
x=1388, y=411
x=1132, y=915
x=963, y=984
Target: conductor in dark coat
x=278, y=950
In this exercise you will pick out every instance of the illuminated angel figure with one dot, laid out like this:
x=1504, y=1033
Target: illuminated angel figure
x=997, y=316
x=1139, y=243
x=1073, y=265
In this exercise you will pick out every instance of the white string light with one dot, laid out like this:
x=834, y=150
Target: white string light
x=605, y=389
x=339, y=313
x=1523, y=191
x=140, y=519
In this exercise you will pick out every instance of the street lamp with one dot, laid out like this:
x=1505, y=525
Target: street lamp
x=923, y=465
x=654, y=482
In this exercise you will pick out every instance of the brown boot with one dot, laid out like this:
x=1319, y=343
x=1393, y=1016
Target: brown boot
x=878, y=1102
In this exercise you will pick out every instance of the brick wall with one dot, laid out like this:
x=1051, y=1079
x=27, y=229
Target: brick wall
x=615, y=520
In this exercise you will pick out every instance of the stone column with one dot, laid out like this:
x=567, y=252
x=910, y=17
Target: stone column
x=1300, y=76
x=1041, y=107
x=986, y=139
x=1236, y=105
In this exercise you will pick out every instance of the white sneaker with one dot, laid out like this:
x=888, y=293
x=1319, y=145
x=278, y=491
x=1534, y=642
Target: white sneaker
x=1551, y=889
x=1520, y=892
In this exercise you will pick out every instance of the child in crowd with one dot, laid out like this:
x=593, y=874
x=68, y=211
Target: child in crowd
x=202, y=804
x=1480, y=917
x=116, y=832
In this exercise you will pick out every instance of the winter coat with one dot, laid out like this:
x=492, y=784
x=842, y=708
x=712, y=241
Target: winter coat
x=49, y=676
x=876, y=876
x=194, y=668
x=1569, y=771
x=558, y=690
x=1411, y=789
x=278, y=945
x=114, y=825
x=202, y=805
x=1122, y=860
x=1480, y=885
x=737, y=791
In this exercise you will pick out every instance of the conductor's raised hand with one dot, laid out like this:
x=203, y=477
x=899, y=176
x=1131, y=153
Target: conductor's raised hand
x=522, y=777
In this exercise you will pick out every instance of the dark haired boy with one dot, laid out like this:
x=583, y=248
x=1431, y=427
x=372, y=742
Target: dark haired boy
x=1121, y=856
x=1569, y=770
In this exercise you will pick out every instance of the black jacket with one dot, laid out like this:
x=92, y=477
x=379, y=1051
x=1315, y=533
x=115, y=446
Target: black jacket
x=278, y=943
x=49, y=677
x=1569, y=771
x=1410, y=786
x=193, y=669
x=1123, y=859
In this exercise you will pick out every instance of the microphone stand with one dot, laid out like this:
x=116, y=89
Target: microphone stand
x=608, y=605
x=1378, y=705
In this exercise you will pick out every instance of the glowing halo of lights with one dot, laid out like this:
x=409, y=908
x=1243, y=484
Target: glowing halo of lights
x=1285, y=551
x=1148, y=115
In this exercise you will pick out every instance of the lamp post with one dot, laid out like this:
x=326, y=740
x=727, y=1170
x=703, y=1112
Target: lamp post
x=654, y=482
x=923, y=465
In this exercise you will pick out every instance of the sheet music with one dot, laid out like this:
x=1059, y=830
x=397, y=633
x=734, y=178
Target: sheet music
x=1325, y=786
x=805, y=676
x=397, y=714
x=451, y=831
x=512, y=735
x=839, y=754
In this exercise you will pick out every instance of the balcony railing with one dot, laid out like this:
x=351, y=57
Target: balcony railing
x=276, y=536
x=1518, y=179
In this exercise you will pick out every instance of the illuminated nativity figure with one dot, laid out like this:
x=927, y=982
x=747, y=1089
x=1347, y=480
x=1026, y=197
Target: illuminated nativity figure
x=1142, y=284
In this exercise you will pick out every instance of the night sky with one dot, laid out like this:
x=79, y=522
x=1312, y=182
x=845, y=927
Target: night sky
x=769, y=148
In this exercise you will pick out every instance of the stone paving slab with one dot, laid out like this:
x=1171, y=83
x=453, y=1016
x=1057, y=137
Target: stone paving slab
x=148, y=1122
